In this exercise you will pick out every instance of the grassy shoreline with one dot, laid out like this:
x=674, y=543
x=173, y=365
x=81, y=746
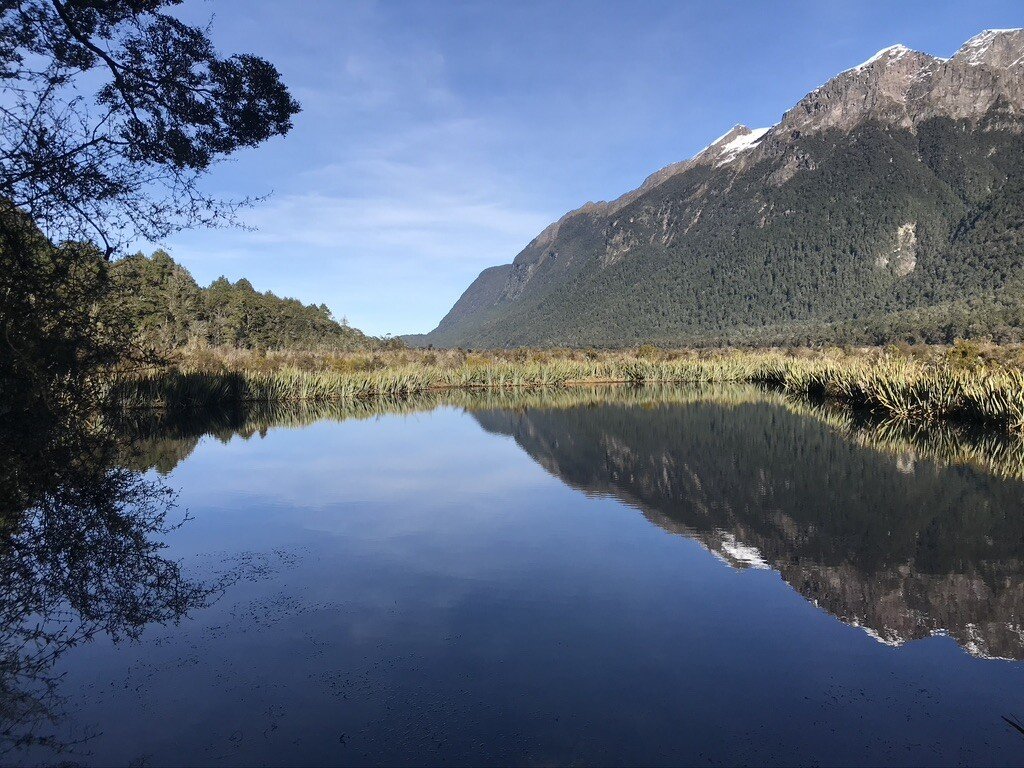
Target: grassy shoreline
x=961, y=383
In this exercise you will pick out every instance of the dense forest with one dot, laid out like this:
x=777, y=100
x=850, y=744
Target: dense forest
x=891, y=236
x=167, y=308
x=886, y=205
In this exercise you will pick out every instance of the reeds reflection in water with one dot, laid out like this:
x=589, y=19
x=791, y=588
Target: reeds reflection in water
x=949, y=443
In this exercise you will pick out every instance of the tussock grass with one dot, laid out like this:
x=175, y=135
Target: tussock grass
x=906, y=389
x=959, y=384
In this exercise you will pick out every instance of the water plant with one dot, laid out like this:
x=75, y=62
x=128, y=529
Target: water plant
x=886, y=383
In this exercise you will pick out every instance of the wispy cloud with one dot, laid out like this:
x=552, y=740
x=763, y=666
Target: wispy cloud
x=406, y=187
x=419, y=204
x=439, y=227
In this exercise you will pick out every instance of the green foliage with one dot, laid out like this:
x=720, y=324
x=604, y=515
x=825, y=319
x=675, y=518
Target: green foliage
x=58, y=331
x=169, y=309
x=114, y=110
x=896, y=386
x=711, y=257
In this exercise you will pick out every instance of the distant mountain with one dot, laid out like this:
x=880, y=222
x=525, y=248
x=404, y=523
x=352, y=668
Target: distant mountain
x=166, y=306
x=887, y=204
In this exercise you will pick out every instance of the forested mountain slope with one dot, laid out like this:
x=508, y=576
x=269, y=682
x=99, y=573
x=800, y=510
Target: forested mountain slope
x=169, y=309
x=887, y=204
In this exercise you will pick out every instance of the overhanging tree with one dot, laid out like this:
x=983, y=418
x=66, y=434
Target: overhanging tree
x=112, y=111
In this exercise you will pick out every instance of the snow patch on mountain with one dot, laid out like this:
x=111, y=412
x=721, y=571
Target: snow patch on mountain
x=973, y=51
x=721, y=138
x=741, y=144
x=893, y=53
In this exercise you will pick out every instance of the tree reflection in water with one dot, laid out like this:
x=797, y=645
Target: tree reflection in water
x=80, y=554
x=905, y=533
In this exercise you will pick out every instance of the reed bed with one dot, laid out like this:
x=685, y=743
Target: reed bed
x=907, y=390
x=900, y=387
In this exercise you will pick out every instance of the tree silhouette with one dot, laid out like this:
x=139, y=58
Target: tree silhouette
x=115, y=109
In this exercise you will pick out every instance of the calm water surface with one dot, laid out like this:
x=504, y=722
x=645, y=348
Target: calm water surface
x=694, y=583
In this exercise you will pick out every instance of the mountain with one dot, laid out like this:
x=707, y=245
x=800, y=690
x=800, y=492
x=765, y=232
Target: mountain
x=900, y=544
x=887, y=204
x=169, y=309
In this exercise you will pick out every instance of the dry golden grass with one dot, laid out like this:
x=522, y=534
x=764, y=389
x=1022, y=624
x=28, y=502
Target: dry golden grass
x=963, y=382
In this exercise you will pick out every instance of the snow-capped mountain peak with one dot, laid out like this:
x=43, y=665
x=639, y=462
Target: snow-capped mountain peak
x=893, y=52
x=979, y=48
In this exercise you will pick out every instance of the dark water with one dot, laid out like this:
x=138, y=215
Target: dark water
x=723, y=581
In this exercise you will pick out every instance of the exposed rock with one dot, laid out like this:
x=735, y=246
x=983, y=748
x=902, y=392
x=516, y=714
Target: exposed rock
x=946, y=128
x=903, y=257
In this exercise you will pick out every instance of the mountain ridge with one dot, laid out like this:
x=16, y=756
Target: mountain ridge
x=961, y=118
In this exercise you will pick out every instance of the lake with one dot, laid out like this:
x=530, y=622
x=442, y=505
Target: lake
x=597, y=577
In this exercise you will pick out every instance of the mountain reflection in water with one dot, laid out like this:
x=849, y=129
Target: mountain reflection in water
x=901, y=546
x=906, y=533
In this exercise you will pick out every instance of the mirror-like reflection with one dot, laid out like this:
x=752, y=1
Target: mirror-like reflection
x=895, y=543
x=903, y=533
x=948, y=444
x=81, y=554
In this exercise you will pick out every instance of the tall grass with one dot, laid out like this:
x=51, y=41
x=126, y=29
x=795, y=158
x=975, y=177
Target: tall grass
x=906, y=389
x=898, y=386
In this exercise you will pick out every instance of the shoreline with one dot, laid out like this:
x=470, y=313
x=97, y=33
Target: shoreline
x=896, y=386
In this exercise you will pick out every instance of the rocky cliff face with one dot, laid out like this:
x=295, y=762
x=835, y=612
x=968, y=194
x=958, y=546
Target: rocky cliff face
x=901, y=87
x=859, y=201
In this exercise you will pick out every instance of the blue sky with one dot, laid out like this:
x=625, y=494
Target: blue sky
x=438, y=138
